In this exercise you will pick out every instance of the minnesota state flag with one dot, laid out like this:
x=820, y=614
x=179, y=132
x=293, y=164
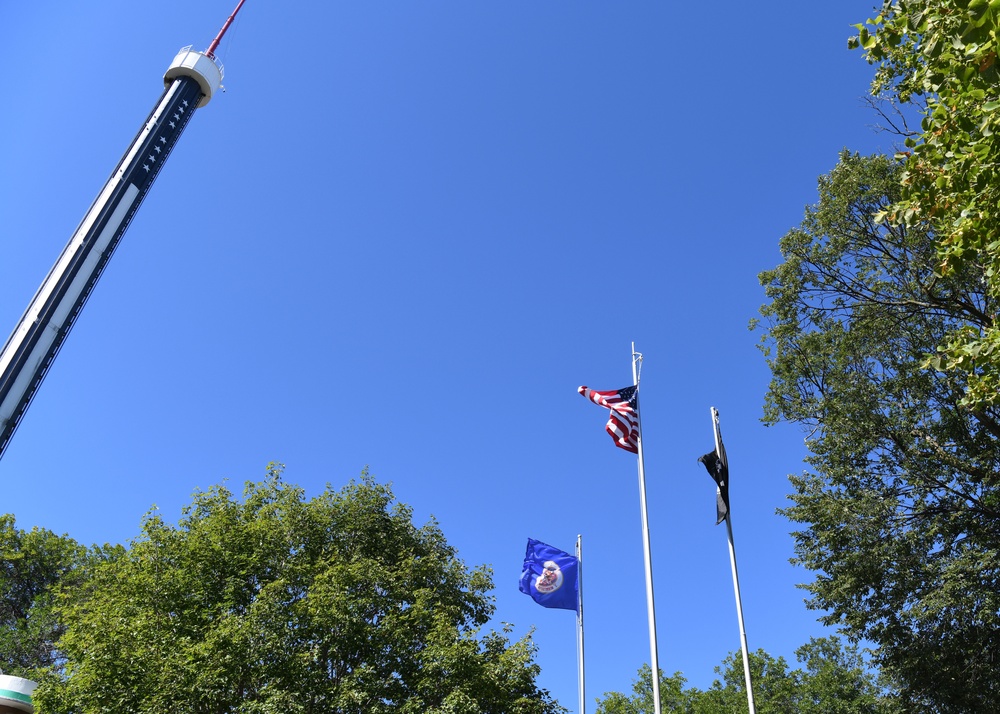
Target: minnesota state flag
x=550, y=576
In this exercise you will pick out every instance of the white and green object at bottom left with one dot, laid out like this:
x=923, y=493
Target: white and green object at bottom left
x=15, y=695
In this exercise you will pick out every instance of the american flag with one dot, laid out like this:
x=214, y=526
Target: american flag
x=623, y=425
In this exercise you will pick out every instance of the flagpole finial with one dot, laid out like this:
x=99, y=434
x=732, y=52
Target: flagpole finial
x=636, y=366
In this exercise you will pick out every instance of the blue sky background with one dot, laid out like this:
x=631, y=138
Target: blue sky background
x=402, y=238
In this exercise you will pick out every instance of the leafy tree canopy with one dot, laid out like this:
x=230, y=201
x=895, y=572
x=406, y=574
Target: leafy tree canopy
x=941, y=56
x=278, y=603
x=899, y=518
x=32, y=563
x=834, y=680
x=673, y=696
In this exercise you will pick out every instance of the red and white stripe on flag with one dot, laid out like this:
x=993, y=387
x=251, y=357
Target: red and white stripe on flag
x=623, y=425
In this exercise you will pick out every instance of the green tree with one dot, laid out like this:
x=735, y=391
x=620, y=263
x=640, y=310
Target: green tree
x=899, y=514
x=941, y=57
x=834, y=680
x=672, y=695
x=32, y=564
x=278, y=603
x=776, y=689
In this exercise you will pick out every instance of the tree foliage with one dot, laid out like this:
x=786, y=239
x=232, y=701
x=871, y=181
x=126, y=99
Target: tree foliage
x=941, y=56
x=279, y=603
x=32, y=564
x=673, y=697
x=900, y=514
x=834, y=680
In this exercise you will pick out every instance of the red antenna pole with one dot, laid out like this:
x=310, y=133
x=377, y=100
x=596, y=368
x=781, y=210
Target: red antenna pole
x=218, y=38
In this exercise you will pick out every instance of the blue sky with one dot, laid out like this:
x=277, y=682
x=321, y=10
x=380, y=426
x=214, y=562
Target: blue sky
x=402, y=238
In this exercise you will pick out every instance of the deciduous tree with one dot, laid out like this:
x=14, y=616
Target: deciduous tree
x=899, y=514
x=279, y=603
x=672, y=695
x=32, y=564
x=835, y=680
x=941, y=56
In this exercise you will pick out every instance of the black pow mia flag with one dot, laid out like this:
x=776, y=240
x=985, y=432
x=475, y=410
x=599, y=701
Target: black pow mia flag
x=718, y=468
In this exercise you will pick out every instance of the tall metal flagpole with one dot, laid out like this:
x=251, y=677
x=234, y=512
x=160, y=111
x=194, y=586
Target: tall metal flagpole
x=736, y=580
x=653, y=660
x=579, y=621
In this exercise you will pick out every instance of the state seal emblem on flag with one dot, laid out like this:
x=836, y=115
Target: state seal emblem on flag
x=551, y=578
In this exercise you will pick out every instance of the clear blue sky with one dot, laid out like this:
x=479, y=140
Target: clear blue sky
x=403, y=237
